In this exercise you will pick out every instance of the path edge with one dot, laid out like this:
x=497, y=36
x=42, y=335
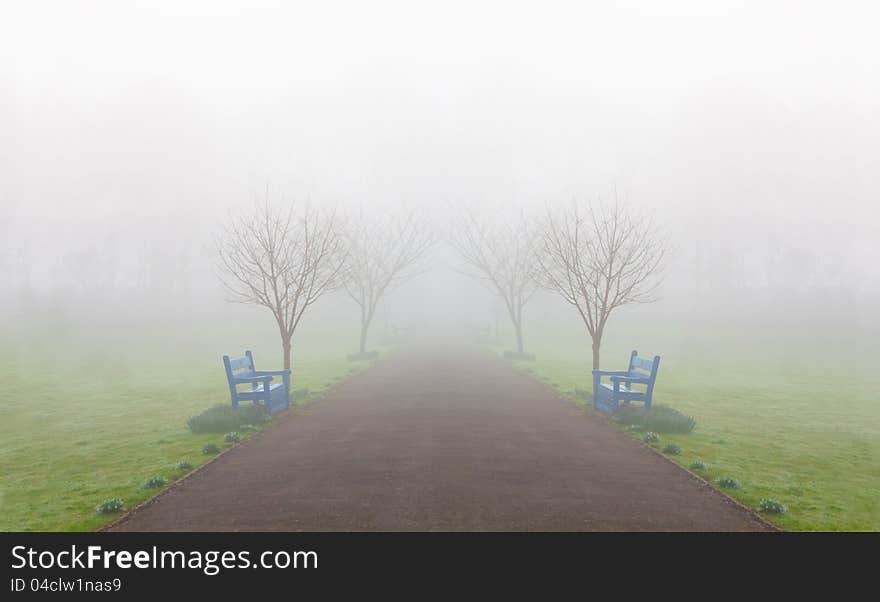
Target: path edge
x=610, y=425
x=125, y=516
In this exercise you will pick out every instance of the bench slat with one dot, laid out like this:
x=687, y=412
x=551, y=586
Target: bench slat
x=642, y=363
x=278, y=395
x=240, y=363
x=645, y=369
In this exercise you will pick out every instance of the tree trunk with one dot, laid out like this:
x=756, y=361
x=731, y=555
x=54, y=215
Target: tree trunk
x=364, y=327
x=286, y=346
x=597, y=343
x=519, y=337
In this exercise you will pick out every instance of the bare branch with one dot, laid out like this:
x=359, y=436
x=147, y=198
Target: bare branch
x=502, y=255
x=598, y=259
x=382, y=255
x=281, y=259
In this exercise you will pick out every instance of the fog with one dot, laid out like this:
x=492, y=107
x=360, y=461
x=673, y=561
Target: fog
x=129, y=131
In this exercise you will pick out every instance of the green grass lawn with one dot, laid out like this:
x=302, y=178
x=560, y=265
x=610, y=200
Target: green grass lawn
x=88, y=417
x=794, y=417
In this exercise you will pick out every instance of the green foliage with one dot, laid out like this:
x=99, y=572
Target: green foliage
x=210, y=449
x=224, y=418
x=771, y=506
x=698, y=465
x=660, y=419
x=183, y=465
x=232, y=437
x=651, y=437
x=155, y=482
x=110, y=506
x=728, y=482
x=672, y=449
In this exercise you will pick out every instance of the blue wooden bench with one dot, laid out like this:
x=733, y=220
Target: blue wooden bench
x=258, y=383
x=642, y=372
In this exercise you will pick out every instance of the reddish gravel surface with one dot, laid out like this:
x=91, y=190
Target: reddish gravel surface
x=434, y=440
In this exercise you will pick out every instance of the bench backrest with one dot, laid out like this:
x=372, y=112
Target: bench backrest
x=644, y=367
x=238, y=367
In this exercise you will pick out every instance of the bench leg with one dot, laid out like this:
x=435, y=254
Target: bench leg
x=603, y=400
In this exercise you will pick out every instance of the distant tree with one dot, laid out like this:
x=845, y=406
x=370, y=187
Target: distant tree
x=600, y=259
x=381, y=255
x=283, y=260
x=502, y=256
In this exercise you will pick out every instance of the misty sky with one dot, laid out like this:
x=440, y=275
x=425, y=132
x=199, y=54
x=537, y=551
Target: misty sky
x=128, y=130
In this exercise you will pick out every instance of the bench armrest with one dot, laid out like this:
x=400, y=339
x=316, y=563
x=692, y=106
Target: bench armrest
x=630, y=379
x=251, y=379
x=272, y=372
x=610, y=373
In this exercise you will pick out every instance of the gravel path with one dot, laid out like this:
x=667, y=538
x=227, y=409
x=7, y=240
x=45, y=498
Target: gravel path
x=434, y=440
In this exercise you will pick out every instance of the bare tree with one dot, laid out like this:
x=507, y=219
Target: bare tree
x=503, y=257
x=599, y=259
x=382, y=255
x=283, y=260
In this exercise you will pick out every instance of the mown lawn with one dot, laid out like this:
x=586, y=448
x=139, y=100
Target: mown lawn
x=89, y=417
x=794, y=416
x=85, y=417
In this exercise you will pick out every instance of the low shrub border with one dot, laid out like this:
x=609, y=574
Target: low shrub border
x=672, y=449
x=110, y=506
x=771, y=506
x=224, y=418
x=155, y=482
x=728, y=482
x=660, y=418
